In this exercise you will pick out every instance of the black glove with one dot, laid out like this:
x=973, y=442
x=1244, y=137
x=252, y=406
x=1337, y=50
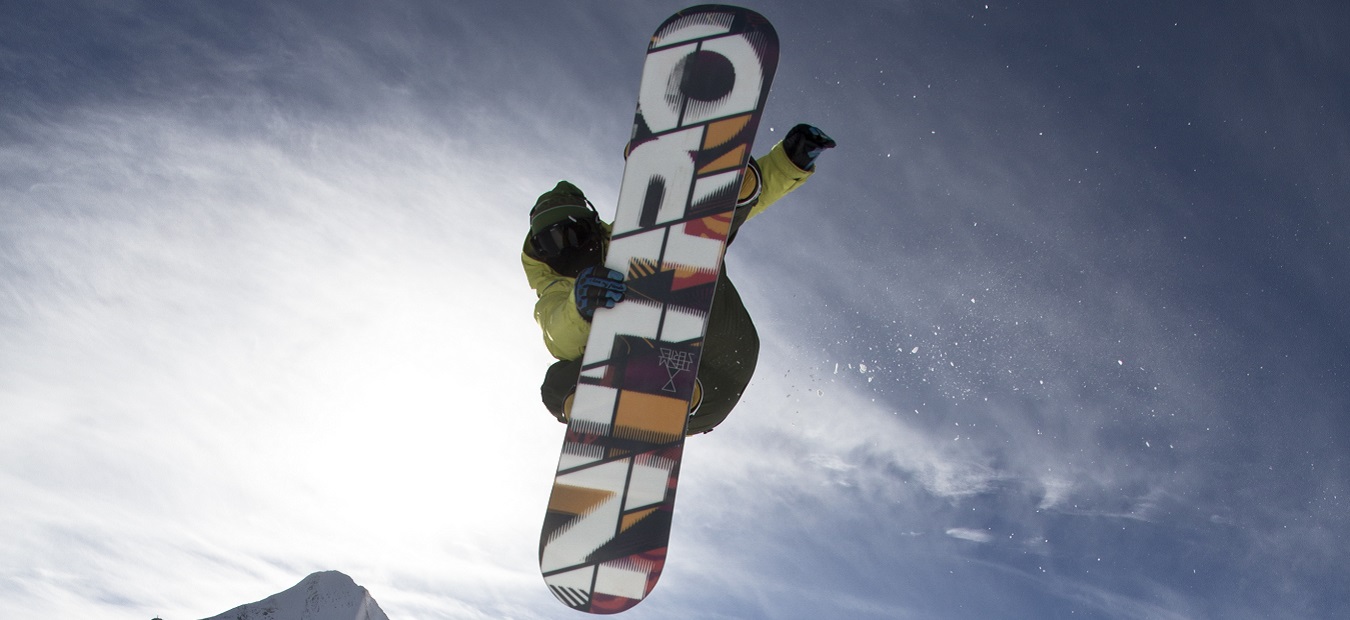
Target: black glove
x=804, y=143
x=598, y=287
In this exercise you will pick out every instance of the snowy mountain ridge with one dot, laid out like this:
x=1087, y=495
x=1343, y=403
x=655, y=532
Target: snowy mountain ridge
x=328, y=595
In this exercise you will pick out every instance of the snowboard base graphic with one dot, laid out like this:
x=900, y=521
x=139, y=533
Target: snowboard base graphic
x=707, y=74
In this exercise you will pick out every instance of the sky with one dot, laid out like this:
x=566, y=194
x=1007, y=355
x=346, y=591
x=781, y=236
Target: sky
x=1059, y=330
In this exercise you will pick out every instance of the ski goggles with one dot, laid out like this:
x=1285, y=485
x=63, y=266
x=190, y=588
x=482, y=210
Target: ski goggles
x=569, y=233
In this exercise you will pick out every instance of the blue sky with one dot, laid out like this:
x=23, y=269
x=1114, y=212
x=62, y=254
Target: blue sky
x=1058, y=331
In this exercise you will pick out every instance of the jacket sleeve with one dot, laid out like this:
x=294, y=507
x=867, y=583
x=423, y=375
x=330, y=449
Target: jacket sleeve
x=780, y=177
x=565, y=331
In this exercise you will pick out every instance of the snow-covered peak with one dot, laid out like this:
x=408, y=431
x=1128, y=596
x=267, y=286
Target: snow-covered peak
x=328, y=595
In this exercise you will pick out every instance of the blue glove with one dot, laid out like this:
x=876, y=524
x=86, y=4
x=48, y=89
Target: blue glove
x=598, y=287
x=804, y=143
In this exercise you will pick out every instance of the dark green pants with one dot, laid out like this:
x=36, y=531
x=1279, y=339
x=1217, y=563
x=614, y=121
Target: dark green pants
x=730, y=352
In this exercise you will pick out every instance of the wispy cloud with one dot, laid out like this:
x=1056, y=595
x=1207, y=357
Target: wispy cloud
x=963, y=533
x=240, y=357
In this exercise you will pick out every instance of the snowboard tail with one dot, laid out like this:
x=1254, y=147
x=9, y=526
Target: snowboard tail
x=704, y=83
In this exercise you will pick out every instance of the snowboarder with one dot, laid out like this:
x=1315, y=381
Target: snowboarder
x=564, y=256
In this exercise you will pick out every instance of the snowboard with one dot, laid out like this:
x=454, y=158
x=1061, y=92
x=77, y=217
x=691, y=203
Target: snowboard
x=704, y=82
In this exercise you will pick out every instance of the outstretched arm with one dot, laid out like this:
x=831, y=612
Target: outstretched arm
x=788, y=164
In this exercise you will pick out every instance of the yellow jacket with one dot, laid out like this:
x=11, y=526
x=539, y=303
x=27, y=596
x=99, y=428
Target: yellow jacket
x=565, y=332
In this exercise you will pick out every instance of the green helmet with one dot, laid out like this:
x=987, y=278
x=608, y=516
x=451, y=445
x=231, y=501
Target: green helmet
x=558, y=204
x=565, y=230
